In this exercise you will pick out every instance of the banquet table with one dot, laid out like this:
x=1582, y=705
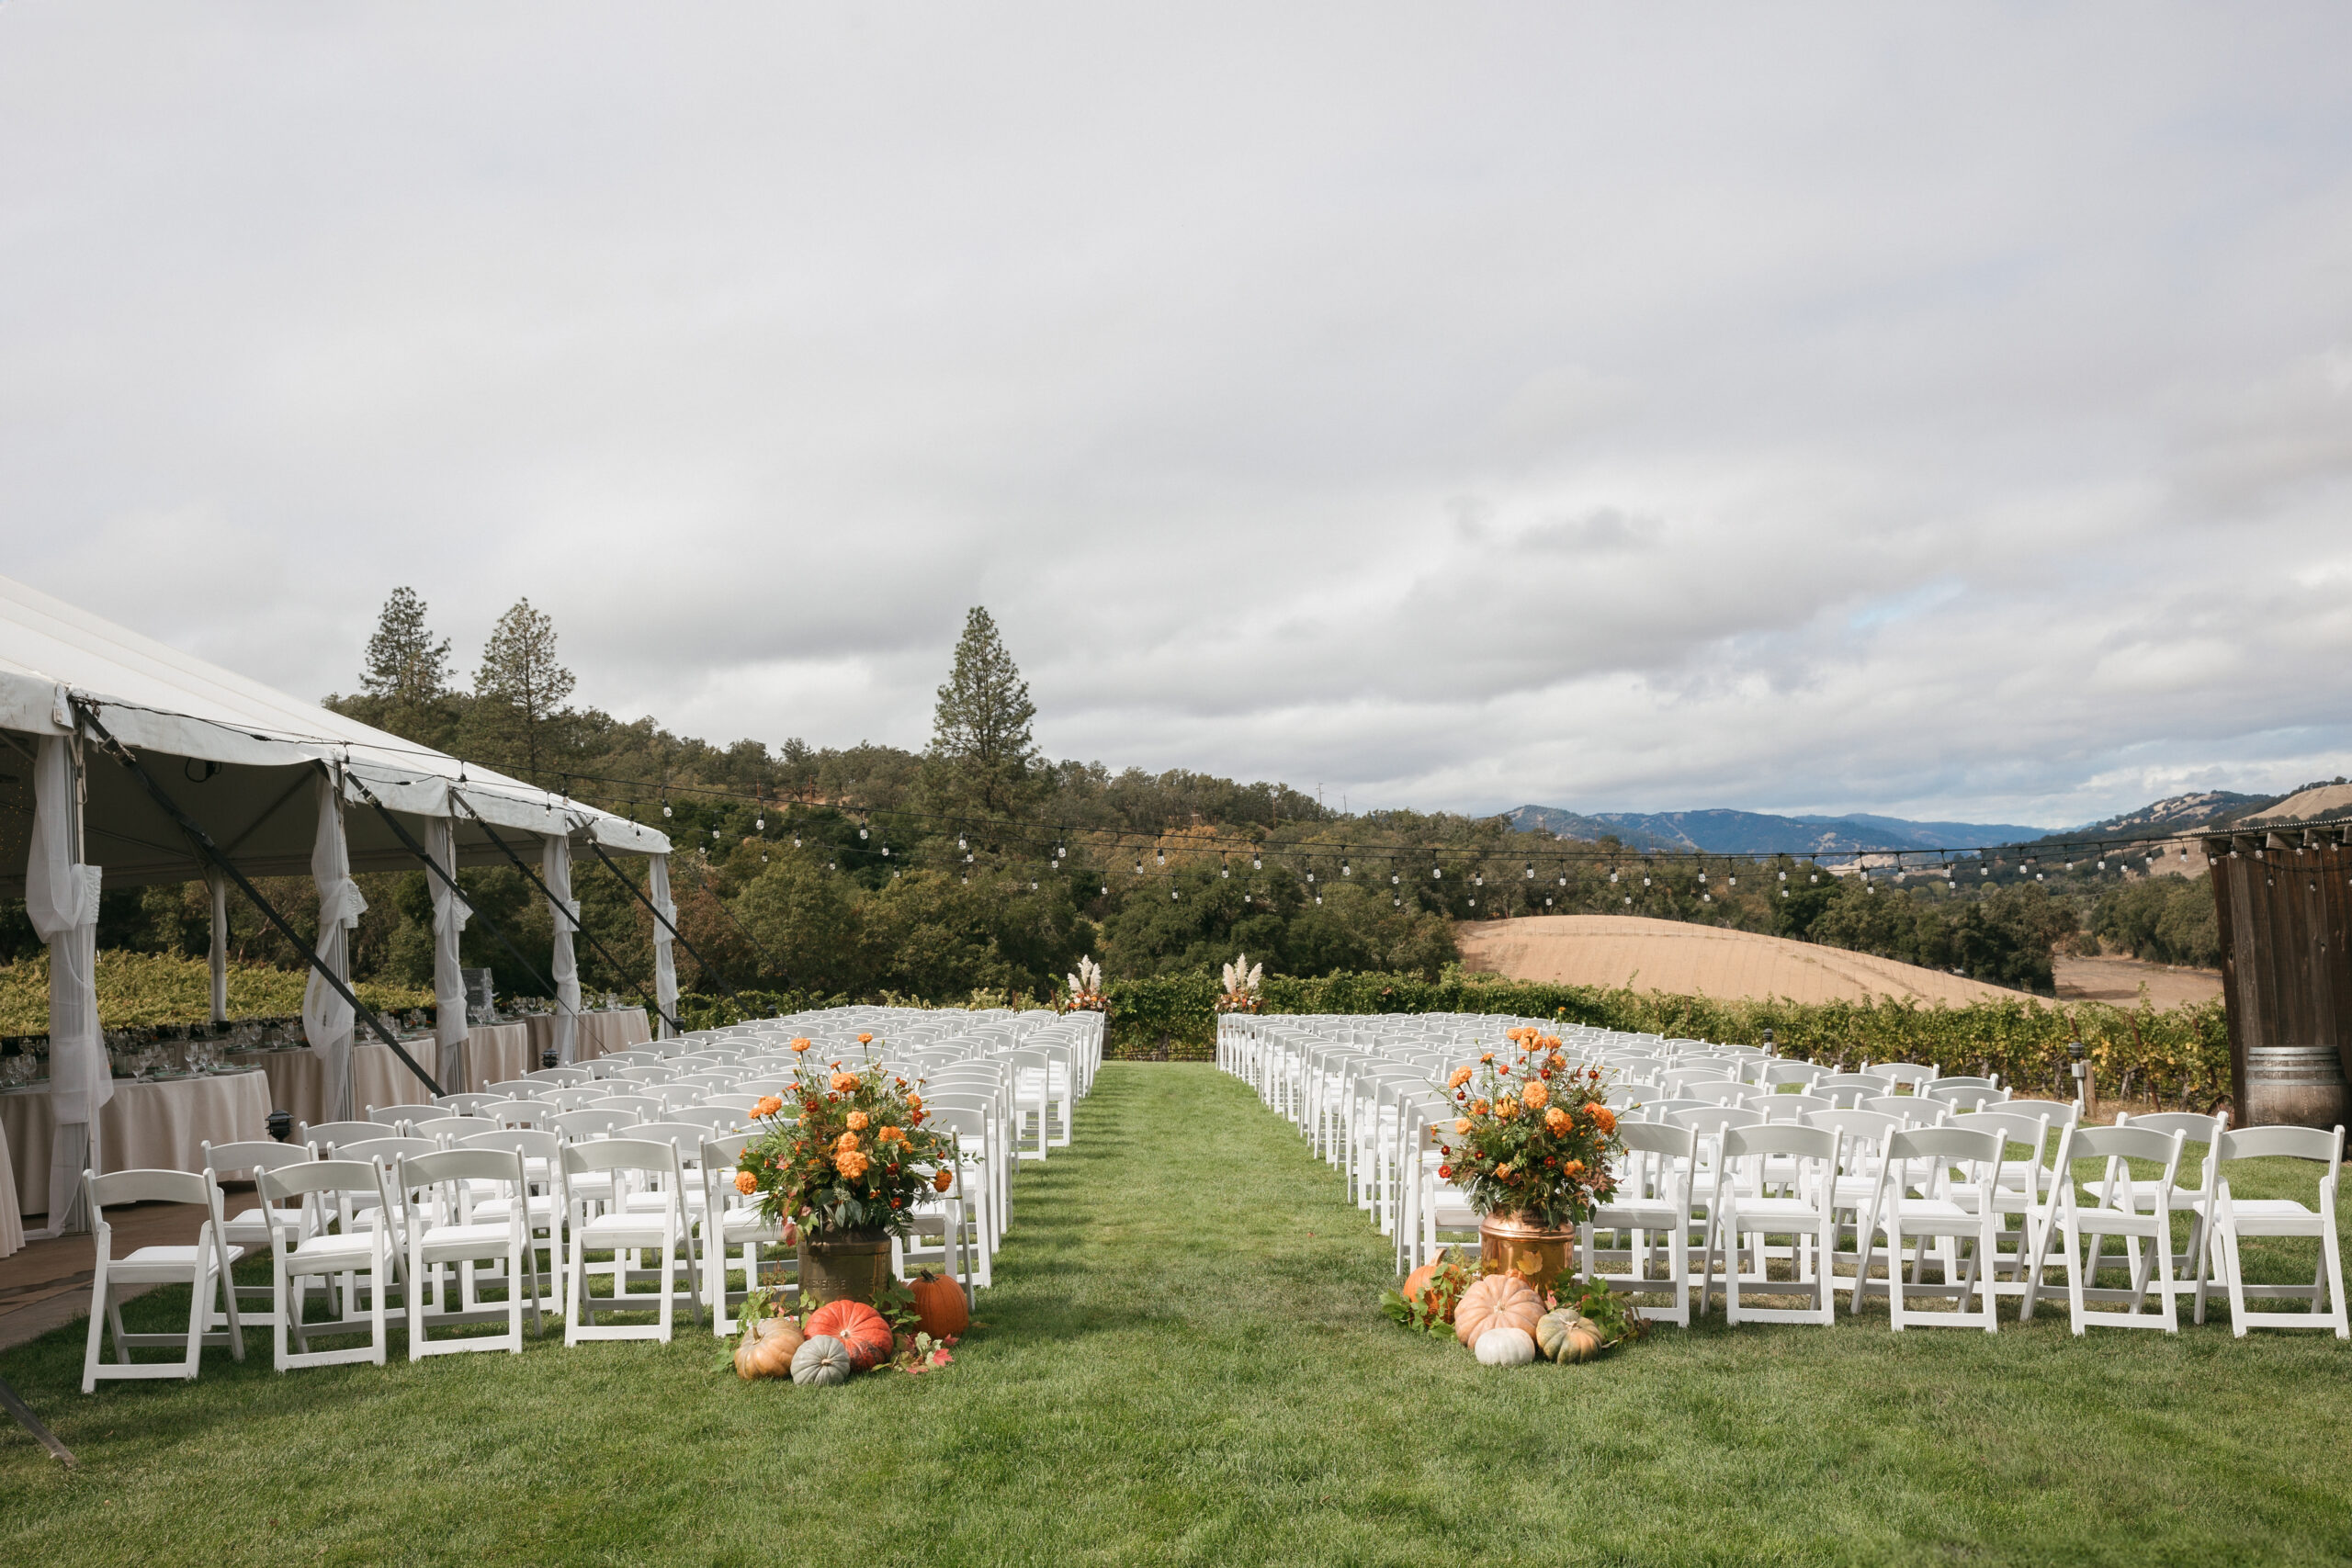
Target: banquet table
x=601, y=1033
x=159, y=1125
x=496, y=1053
x=377, y=1078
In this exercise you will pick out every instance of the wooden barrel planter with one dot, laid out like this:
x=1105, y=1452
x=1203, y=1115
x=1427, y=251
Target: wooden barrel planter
x=2294, y=1085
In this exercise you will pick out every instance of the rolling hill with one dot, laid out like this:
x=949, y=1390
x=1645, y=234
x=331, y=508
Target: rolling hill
x=1754, y=832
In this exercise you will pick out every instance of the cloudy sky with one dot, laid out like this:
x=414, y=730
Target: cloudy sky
x=1937, y=410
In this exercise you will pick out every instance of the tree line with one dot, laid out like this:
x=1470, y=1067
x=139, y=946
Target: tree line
x=978, y=864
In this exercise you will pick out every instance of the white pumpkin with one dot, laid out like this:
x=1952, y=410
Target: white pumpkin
x=1506, y=1347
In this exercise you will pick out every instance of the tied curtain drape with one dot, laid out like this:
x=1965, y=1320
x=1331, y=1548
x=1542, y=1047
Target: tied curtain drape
x=449, y=914
x=61, y=901
x=555, y=870
x=327, y=1019
x=665, y=963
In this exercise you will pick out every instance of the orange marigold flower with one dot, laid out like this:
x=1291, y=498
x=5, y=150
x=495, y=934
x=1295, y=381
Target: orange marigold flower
x=1558, y=1119
x=1506, y=1108
x=1574, y=1167
x=865, y=1040
x=914, y=1102
x=918, y=1116
x=1603, y=1119
x=768, y=1106
x=1445, y=1173
x=1477, y=1107
x=746, y=1184
x=844, y=1083
x=941, y=1180
x=857, y=1121
x=1535, y=1095
x=1501, y=1171
x=802, y=1043
x=852, y=1163
x=847, y=1142
x=1461, y=1124
x=890, y=1135
x=1459, y=1077
x=1487, y=1057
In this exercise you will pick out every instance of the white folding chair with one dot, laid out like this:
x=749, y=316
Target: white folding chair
x=1650, y=1211
x=252, y=1230
x=1934, y=1214
x=2117, y=1211
x=352, y=1253
x=621, y=1229
x=2235, y=1217
x=1803, y=1210
x=732, y=1230
x=437, y=1193
x=202, y=1267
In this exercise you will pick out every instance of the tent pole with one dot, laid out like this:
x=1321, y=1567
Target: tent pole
x=530, y=969
x=675, y=935
x=219, y=957
x=87, y=712
x=533, y=877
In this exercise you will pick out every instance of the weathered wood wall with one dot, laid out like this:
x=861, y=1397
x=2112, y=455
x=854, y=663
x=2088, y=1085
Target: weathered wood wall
x=2283, y=899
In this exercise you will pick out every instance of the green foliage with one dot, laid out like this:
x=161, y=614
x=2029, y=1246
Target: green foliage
x=2177, y=1055
x=519, y=693
x=1603, y=1307
x=981, y=754
x=2166, y=920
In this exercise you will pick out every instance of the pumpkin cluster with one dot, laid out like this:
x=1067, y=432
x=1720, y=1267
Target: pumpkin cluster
x=827, y=1345
x=845, y=1151
x=1504, y=1319
x=1532, y=1136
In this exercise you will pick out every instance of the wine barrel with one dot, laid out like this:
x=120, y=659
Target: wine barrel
x=2294, y=1085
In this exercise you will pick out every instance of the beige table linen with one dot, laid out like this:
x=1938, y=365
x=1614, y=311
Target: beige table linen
x=497, y=1053
x=162, y=1126
x=601, y=1033
x=377, y=1078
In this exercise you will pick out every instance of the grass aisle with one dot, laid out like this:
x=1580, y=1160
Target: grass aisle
x=1181, y=1362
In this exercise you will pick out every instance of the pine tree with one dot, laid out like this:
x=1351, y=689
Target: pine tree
x=405, y=666
x=980, y=743
x=520, y=690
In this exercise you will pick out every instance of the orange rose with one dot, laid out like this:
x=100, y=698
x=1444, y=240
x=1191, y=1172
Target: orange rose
x=768, y=1106
x=852, y=1163
x=746, y=1184
x=1603, y=1119
x=941, y=1180
x=1558, y=1119
x=857, y=1120
x=1460, y=1076
x=1535, y=1095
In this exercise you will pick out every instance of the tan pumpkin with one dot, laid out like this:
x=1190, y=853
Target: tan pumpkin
x=1568, y=1337
x=1499, y=1301
x=767, y=1349
x=940, y=1308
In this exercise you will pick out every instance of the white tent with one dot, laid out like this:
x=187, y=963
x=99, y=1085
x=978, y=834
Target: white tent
x=281, y=787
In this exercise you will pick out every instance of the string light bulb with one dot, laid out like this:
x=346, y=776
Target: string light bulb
x=861, y=832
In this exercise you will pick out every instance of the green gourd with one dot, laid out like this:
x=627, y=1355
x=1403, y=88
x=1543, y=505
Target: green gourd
x=821, y=1362
x=1566, y=1336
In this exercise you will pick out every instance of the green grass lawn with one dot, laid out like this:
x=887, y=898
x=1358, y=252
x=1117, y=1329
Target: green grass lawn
x=1183, y=1361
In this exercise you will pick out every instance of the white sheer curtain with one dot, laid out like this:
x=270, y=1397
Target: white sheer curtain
x=217, y=958
x=665, y=963
x=62, y=899
x=449, y=914
x=327, y=1019
x=554, y=869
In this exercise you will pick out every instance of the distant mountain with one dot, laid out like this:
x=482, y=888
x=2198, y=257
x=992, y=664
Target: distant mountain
x=2175, y=813
x=1752, y=833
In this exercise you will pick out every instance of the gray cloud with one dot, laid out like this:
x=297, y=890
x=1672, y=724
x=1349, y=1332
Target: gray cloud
x=1945, y=413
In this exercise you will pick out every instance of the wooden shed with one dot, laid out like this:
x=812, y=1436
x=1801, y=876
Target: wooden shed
x=2283, y=897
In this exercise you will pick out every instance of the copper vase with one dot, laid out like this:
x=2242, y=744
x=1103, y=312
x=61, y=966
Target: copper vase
x=843, y=1266
x=1536, y=1253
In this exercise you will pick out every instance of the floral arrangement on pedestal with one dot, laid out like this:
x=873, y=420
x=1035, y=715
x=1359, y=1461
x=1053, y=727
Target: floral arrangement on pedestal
x=1241, y=982
x=1086, y=988
x=1534, y=1136
x=845, y=1154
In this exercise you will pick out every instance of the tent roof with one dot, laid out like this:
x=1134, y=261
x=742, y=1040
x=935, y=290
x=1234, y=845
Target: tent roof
x=154, y=698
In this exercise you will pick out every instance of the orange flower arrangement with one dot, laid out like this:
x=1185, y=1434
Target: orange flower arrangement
x=844, y=1152
x=1550, y=1167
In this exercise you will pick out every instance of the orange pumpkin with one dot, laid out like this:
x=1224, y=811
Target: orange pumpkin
x=859, y=1327
x=940, y=1308
x=1499, y=1301
x=767, y=1349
